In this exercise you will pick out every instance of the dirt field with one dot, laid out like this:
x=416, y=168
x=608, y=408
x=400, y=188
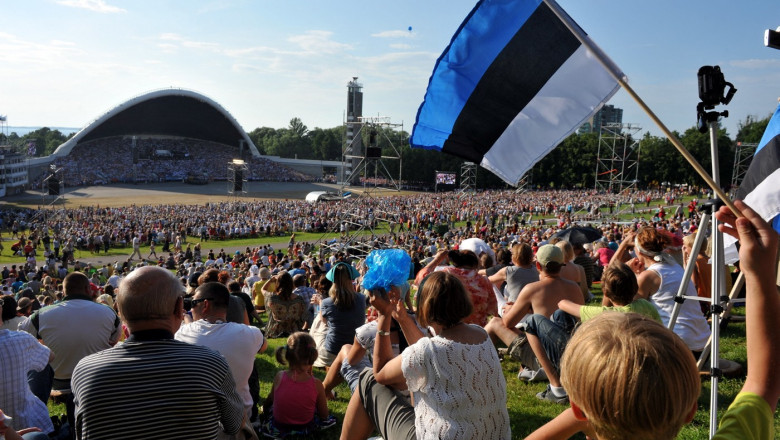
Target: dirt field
x=177, y=193
x=167, y=193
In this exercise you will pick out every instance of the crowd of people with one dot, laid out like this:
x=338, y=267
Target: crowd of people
x=485, y=272
x=113, y=160
x=496, y=214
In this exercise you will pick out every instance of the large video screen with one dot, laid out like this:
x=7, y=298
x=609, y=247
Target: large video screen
x=445, y=178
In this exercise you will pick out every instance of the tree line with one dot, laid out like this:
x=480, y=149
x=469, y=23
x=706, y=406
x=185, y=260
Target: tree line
x=571, y=165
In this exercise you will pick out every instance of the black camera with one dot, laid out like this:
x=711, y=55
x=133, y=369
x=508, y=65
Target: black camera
x=712, y=87
x=712, y=91
x=187, y=304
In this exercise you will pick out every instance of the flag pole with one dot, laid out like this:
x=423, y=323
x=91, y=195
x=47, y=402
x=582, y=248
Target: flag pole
x=611, y=68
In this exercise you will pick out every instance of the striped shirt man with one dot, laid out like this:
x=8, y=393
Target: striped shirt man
x=155, y=387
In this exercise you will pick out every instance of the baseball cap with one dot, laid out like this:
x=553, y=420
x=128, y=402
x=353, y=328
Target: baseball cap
x=549, y=253
x=353, y=273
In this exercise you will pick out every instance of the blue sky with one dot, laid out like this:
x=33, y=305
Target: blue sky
x=65, y=62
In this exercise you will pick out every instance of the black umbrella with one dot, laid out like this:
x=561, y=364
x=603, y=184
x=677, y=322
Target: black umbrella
x=579, y=234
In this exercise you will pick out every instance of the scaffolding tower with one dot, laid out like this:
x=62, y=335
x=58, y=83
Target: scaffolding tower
x=743, y=155
x=617, y=161
x=524, y=182
x=468, y=177
x=366, y=163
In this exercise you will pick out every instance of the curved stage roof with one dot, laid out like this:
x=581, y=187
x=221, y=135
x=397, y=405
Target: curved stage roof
x=166, y=112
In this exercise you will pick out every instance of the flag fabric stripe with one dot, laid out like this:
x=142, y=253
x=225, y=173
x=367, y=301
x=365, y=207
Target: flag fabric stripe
x=539, y=87
x=760, y=188
x=541, y=120
x=765, y=197
x=771, y=131
x=498, y=98
x=463, y=66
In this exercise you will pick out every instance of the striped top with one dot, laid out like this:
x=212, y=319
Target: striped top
x=153, y=387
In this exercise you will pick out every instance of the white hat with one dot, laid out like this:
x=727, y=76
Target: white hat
x=476, y=245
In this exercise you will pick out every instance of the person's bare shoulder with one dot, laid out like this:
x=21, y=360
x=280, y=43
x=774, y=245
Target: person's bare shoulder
x=571, y=291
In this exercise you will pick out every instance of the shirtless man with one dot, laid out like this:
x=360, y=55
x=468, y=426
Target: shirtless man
x=540, y=297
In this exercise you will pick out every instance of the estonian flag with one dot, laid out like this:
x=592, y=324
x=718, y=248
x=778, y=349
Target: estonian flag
x=761, y=186
x=512, y=84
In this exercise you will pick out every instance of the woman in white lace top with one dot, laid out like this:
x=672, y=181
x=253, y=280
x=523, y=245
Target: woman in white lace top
x=455, y=376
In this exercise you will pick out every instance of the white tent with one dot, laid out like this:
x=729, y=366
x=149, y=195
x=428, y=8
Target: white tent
x=314, y=196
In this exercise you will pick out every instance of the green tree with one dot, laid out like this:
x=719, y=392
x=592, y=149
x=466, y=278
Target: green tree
x=752, y=129
x=659, y=161
x=326, y=143
x=261, y=136
x=698, y=144
x=298, y=127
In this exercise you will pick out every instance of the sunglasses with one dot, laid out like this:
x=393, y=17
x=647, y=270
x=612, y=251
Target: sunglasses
x=189, y=303
x=195, y=302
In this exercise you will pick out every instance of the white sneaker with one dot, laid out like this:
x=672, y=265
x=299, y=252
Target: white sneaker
x=525, y=374
x=528, y=375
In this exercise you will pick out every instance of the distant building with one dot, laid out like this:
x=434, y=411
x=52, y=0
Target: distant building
x=13, y=172
x=608, y=114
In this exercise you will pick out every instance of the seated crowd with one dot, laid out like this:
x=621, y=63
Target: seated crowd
x=421, y=358
x=112, y=160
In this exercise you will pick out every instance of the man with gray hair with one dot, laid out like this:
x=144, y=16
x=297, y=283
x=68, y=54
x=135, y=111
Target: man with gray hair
x=163, y=387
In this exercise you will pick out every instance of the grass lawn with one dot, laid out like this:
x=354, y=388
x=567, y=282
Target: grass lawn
x=525, y=411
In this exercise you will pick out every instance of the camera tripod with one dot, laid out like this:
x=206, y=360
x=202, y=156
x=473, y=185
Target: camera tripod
x=718, y=300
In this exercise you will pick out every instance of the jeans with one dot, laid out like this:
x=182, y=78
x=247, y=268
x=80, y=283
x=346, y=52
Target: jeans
x=554, y=335
x=40, y=382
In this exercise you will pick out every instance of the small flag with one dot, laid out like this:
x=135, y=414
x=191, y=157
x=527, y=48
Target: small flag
x=512, y=84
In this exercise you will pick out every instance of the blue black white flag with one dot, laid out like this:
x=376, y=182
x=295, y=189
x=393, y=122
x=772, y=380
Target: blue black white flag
x=761, y=186
x=513, y=83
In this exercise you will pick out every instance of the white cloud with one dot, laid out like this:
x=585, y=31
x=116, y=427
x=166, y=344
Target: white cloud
x=393, y=34
x=756, y=63
x=176, y=40
x=319, y=42
x=167, y=47
x=92, y=5
x=19, y=52
x=250, y=51
x=63, y=43
x=401, y=46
